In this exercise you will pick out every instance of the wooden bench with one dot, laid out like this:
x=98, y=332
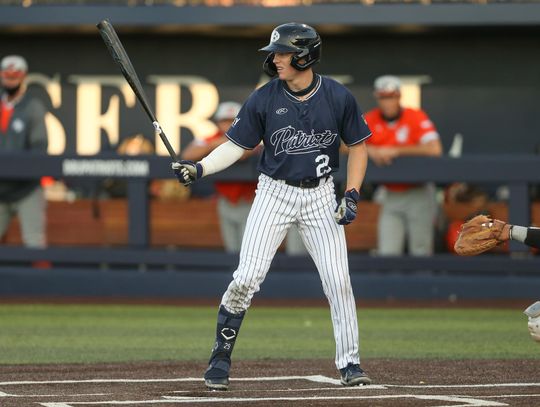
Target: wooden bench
x=192, y=223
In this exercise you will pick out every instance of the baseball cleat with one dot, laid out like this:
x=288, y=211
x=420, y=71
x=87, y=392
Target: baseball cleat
x=353, y=375
x=216, y=376
x=217, y=384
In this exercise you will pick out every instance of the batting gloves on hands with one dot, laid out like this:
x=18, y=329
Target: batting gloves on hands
x=187, y=172
x=346, y=211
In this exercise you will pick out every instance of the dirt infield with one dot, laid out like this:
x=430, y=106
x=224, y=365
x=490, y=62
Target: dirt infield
x=275, y=383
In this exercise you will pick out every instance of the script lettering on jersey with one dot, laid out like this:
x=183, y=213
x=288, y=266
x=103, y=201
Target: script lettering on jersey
x=291, y=141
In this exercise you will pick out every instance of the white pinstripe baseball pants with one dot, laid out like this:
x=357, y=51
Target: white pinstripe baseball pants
x=277, y=206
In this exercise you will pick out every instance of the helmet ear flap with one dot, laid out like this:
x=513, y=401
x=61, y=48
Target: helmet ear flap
x=310, y=56
x=269, y=67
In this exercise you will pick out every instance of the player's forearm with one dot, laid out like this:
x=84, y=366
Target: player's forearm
x=356, y=166
x=530, y=236
x=432, y=148
x=222, y=157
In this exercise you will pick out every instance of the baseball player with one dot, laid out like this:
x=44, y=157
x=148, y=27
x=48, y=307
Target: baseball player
x=531, y=237
x=234, y=197
x=300, y=116
x=482, y=233
x=408, y=210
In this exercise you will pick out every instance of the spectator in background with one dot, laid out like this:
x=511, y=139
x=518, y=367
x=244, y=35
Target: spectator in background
x=22, y=129
x=234, y=197
x=160, y=189
x=408, y=210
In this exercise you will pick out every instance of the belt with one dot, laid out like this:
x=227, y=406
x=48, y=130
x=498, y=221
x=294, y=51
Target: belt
x=307, y=182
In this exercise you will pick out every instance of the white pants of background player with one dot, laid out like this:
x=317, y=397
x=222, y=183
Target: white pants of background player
x=232, y=220
x=276, y=207
x=407, y=216
x=31, y=213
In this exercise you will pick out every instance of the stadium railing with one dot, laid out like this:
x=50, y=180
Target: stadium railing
x=517, y=172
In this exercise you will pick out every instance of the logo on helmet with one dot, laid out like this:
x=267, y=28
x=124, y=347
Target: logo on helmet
x=275, y=36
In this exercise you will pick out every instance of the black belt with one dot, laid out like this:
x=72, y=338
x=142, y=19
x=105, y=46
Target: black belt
x=307, y=182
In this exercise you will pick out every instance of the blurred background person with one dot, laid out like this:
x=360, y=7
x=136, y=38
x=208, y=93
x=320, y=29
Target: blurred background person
x=164, y=189
x=408, y=210
x=234, y=197
x=22, y=128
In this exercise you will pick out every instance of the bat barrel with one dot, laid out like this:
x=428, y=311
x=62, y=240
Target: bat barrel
x=120, y=56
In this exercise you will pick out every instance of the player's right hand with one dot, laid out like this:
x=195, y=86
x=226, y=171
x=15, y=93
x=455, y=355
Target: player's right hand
x=187, y=172
x=346, y=211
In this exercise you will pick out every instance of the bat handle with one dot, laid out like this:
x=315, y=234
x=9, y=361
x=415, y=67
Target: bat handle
x=163, y=137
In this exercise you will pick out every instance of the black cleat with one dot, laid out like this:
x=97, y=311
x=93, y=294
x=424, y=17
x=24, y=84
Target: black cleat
x=353, y=375
x=216, y=376
x=221, y=384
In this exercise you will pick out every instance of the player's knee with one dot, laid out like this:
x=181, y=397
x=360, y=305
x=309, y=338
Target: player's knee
x=242, y=289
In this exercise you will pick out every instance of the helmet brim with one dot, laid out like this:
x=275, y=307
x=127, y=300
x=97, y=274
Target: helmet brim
x=279, y=48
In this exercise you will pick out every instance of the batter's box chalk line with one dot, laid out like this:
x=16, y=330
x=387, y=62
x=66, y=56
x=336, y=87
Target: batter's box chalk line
x=2, y=394
x=232, y=397
x=464, y=400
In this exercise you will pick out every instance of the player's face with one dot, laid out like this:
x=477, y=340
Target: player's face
x=224, y=125
x=283, y=64
x=11, y=79
x=388, y=103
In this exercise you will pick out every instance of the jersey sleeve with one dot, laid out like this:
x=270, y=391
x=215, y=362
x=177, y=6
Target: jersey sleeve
x=247, y=129
x=354, y=128
x=425, y=128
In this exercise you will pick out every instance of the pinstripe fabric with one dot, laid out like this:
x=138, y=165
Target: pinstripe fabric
x=275, y=208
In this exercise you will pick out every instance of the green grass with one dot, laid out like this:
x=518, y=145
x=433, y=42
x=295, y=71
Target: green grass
x=111, y=333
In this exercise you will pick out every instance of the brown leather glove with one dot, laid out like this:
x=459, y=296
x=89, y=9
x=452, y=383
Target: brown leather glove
x=480, y=234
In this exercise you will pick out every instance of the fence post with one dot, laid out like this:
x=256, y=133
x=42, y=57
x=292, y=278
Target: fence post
x=138, y=213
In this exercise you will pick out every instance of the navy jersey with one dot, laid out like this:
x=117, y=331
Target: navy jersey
x=301, y=138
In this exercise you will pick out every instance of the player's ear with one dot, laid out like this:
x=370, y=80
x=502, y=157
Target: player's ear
x=301, y=61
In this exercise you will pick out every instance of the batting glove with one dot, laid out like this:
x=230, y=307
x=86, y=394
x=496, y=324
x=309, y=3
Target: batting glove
x=187, y=172
x=346, y=211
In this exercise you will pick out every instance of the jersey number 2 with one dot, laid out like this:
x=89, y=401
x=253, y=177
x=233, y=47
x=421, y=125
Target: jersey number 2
x=323, y=168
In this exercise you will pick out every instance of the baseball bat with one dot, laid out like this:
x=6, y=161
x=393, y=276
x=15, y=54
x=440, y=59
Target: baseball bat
x=121, y=57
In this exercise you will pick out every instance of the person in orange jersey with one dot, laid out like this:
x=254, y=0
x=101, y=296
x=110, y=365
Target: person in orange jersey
x=408, y=210
x=234, y=197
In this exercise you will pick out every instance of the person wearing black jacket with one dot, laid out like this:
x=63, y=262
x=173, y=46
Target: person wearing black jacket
x=22, y=129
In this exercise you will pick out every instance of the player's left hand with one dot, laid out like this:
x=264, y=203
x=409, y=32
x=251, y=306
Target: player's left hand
x=346, y=211
x=187, y=172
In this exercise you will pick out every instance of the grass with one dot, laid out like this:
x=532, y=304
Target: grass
x=113, y=333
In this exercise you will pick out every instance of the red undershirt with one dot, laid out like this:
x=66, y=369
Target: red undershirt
x=6, y=111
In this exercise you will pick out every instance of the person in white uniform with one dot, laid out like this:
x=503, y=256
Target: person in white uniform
x=301, y=117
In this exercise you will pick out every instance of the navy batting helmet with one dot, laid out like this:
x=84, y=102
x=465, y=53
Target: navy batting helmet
x=301, y=39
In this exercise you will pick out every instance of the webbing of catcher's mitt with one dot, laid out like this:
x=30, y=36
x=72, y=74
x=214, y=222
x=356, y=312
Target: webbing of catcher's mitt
x=478, y=235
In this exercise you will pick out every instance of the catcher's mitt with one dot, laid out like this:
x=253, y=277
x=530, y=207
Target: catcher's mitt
x=479, y=234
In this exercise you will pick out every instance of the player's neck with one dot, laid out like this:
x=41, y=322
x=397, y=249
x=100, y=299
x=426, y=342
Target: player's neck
x=393, y=117
x=302, y=84
x=15, y=97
